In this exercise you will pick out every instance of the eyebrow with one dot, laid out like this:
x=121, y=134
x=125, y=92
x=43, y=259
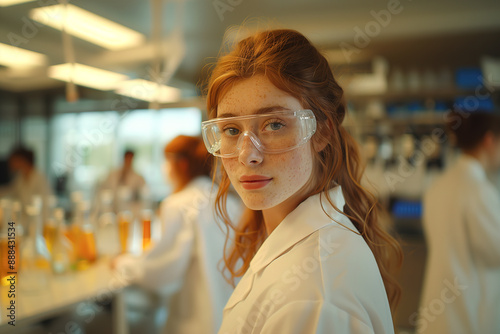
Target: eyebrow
x=264, y=110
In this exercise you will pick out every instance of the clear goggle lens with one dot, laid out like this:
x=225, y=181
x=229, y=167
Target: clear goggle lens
x=271, y=133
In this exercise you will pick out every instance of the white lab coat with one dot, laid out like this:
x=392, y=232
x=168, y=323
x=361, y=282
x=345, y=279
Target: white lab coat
x=461, y=291
x=311, y=275
x=185, y=263
x=132, y=180
x=23, y=190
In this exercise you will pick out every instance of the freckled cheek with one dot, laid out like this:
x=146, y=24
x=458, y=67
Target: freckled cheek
x=230, y=166
x=301, y=165
x=297, y=165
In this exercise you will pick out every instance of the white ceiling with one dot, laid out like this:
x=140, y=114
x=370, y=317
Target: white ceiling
x=327, y=23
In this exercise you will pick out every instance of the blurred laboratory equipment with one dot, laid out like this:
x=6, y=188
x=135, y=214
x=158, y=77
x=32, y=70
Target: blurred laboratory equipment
x=35, y=257
x=63, y=250
x=107, y=227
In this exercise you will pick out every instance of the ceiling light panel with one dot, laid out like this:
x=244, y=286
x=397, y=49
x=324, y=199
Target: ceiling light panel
x=5, y=3
x=149, y=91
x=87, y=76
x=88, y=26
x=12, y=56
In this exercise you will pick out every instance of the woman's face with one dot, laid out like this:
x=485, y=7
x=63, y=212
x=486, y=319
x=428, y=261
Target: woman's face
x=285, y=174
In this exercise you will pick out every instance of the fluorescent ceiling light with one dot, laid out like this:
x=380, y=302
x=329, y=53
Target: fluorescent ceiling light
x=149, y=91
x=88, y=26
x=87, y=76
x=12, y=56
x=5, y=3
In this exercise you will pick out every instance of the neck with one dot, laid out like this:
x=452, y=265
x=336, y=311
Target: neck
x=481, y=157
x=274, y=216
x=181, y=184
x=26, y=172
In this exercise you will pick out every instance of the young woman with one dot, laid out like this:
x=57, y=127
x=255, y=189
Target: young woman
x=184, y=264
x=313, y=256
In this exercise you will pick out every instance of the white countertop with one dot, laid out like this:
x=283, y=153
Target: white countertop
x=97, y=283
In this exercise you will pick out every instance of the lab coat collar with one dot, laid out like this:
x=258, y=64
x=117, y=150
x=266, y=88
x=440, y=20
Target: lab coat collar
x=201, y=181
x=307, y=218
x=473, y=166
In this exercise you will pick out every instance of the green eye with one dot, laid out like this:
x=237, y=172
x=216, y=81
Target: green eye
x=274, y=126
x=231, y=132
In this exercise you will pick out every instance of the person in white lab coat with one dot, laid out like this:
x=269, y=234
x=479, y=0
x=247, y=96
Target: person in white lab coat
x=28, y=181
x=311, y=251
x=461, y=292
x=125, y=176
x=184, y=264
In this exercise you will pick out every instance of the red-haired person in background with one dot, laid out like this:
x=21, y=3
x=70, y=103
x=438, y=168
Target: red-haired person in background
x=313, y=256
x=184, y=264
x=461, y=292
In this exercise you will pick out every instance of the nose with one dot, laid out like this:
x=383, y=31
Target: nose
x=249, y=154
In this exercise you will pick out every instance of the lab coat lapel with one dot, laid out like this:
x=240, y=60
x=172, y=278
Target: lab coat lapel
x=472, y=167
x=242, y=290
x=307, y=218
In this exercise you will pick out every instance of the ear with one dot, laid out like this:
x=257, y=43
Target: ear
x=320, y=144
x=320, y=141
x=488, y=140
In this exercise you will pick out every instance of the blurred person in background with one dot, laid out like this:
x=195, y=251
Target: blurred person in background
x=27, y=181
x=184, y=263
x=125, y=176
x=461, y=292
x=126, y=186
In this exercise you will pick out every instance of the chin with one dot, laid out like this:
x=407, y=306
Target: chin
x=257, y=203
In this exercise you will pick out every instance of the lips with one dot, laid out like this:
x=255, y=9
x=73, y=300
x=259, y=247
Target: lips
x=251, y=182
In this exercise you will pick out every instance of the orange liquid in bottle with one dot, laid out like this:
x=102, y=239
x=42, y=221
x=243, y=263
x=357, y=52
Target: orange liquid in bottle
x=146, y=234
x=86, y=247
x=123, y=231
x=50, y=234
x=73, y=234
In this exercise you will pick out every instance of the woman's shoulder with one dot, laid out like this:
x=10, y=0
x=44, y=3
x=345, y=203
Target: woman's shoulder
x=327, y=259
x=331, y=270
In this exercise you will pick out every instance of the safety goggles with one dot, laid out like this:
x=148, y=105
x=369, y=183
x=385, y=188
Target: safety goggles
x=271, y=133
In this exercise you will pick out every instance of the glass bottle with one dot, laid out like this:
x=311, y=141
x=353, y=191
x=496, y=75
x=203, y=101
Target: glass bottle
x=35, y=257
x=74, y=229
x=146, y=229
x=86, y=245
x=50, y=203
x=146, y=218
x=107, y=229
x=50, y=232
x=125, y=217
x=63, y=251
